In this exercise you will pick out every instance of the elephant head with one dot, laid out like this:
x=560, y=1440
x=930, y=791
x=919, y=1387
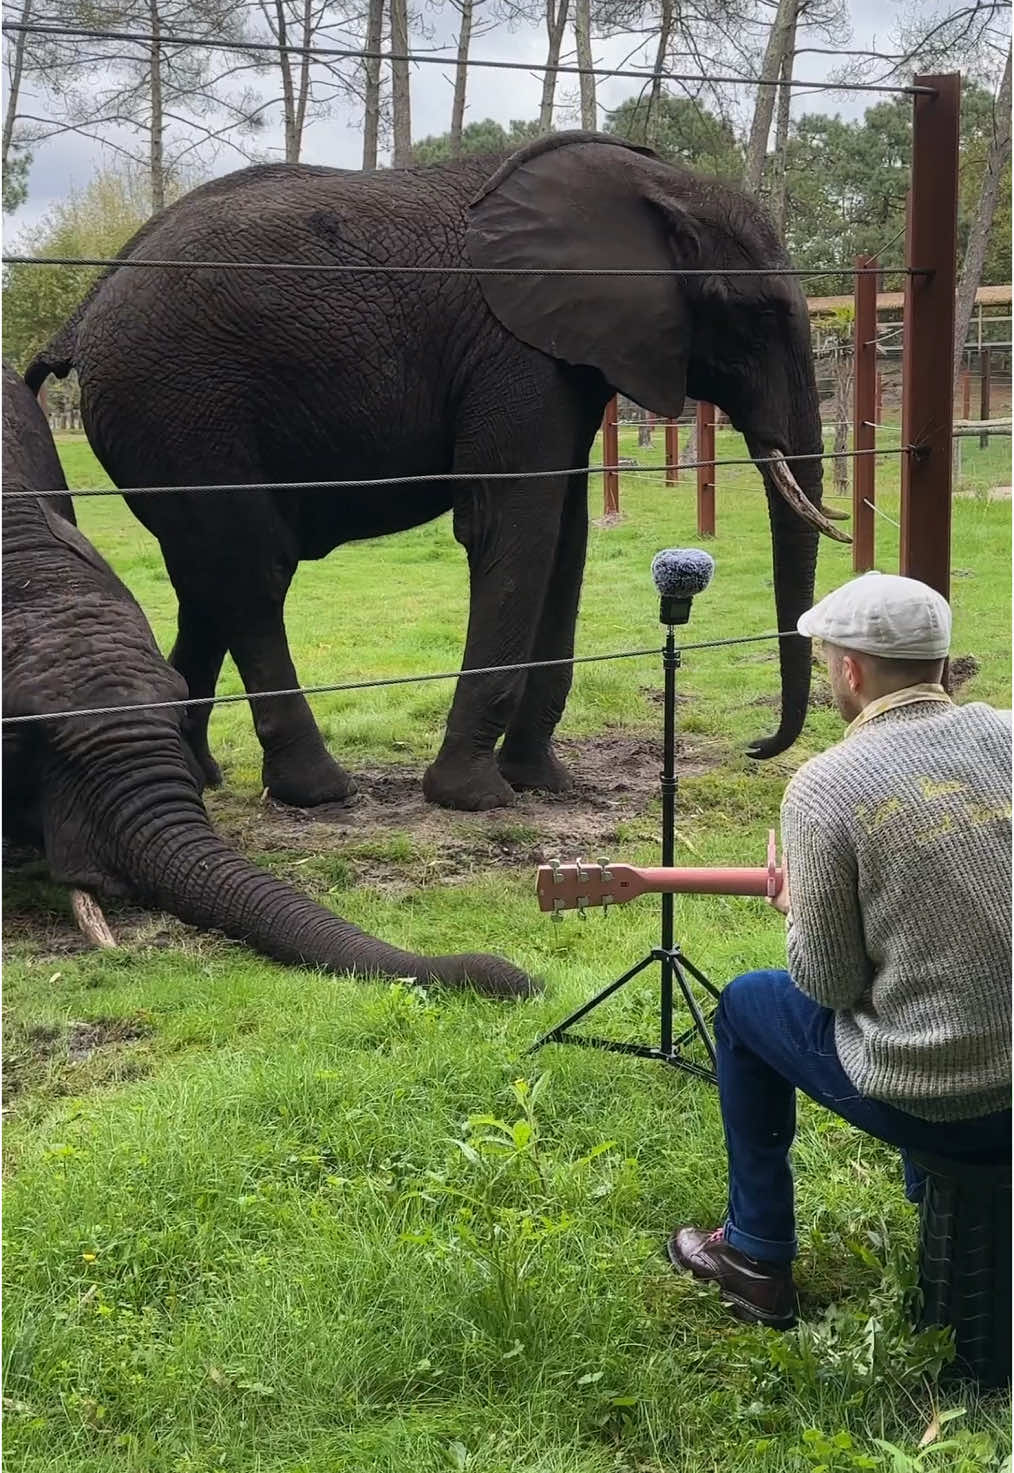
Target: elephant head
x=623, y=224
x=113, y=798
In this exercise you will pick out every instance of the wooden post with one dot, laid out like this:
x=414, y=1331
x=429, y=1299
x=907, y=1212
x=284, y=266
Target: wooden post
x=927, y=407
x=706, y=470
x=966, y=394
x=672, y=452
x=610, y=456
x=864, y=417
x=985, y=368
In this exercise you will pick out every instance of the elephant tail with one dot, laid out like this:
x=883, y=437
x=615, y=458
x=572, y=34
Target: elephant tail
x=56, y=358
x=59, y=354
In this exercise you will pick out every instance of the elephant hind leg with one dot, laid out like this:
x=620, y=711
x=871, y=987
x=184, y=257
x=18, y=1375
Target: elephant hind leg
x=198, y=654
x=297, y=767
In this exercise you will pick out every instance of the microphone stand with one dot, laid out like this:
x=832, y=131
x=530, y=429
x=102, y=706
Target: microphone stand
x=674, y=964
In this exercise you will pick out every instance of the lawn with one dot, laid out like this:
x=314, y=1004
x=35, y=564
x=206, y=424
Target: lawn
x=262, y=1220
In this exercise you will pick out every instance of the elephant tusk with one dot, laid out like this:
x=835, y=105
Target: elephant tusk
x=789, y=488
x=90, y=920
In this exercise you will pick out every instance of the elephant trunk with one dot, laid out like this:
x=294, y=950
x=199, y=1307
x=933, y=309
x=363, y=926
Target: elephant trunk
x=167, y=851
x=794, y=495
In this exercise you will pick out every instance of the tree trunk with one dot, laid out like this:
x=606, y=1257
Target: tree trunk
x=661, y=52
x=304, y=78
x=288, y=97
x=556, y=20
x=156, y=161
x=785, y=19
x=371, y=65
x=14, y=82
x=997, y=161
x=582, y=37
x=778, y=182
x=461, y=78
x=401, y=102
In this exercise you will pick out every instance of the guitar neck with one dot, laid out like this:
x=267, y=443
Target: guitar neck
x=661, y=881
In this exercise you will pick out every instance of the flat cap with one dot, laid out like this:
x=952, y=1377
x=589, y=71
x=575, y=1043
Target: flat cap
x=883, y=614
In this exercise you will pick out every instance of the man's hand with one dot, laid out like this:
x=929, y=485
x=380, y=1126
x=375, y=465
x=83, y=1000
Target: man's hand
x=781, y=901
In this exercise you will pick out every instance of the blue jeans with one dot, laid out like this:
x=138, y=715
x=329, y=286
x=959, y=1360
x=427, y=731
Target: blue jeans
x=771, y=1039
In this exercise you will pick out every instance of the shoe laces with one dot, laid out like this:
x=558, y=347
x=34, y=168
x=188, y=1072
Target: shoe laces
x=718, y=1236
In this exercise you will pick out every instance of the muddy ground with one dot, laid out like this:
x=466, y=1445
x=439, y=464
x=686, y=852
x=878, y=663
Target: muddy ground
x=387, y=837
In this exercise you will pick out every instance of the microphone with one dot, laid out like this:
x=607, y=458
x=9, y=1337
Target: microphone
x=679, y=573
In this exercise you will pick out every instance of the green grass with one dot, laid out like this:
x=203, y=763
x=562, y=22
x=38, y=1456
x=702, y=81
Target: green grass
x=244, y=1233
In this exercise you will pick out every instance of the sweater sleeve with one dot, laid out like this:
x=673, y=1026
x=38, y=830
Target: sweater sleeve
x=825, y=941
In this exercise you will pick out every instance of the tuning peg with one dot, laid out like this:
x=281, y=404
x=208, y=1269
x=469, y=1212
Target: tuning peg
x=582, y=873
x=607, y=901
x=606, y=873
x=558, y=909
x=582, y=907
x=554, y=865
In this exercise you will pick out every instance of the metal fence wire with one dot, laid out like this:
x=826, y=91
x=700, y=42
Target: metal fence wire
x=164, y=42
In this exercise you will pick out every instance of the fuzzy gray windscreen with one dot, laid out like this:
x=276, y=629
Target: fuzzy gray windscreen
x=682, y=572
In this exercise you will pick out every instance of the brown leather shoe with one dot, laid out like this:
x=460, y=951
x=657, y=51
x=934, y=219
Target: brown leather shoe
x=754, y=1290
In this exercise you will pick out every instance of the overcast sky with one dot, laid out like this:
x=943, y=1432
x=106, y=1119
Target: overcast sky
x=66, y=163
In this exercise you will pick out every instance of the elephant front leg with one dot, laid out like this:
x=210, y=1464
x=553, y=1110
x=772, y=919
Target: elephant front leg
x=526, y=758
x=297, y=767
x=511, y=540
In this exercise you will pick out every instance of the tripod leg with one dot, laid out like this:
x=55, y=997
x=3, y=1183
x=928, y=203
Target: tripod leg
x=593, y=1002
x=695, y=1012
x=700, y=977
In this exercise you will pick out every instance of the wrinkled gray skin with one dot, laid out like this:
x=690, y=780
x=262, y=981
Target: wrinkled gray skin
x=114, y=801
x=225, y=376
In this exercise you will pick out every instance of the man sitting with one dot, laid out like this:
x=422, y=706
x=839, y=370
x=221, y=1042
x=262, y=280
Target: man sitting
x=896, y=1009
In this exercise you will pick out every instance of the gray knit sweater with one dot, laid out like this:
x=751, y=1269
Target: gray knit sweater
x=898, y=843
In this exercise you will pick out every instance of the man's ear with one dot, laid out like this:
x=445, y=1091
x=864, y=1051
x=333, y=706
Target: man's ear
x=854, y=673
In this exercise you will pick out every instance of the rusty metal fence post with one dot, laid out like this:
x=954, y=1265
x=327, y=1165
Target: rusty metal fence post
x=864, y=416
x=985, y=384
x=610, y=460
x=672, y=452
x=927, y=407
x=706, y=470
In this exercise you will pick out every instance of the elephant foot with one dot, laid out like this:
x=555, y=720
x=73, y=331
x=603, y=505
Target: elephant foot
x=211, y=770
x=473, y=786
x=306, y=783
x=541, y=769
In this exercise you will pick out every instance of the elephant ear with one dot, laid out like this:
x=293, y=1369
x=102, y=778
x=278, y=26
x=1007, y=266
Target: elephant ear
x=65, y=530
x=587, y=203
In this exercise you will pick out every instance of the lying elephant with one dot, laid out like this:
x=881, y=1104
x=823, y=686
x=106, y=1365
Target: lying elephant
x=115, y=800
x=226, y=374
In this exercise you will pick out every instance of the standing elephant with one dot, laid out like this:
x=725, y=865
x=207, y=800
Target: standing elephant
x=537, y=287
x=114, y=800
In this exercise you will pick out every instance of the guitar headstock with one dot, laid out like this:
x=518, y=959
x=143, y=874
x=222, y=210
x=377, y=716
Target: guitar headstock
x=579, y=885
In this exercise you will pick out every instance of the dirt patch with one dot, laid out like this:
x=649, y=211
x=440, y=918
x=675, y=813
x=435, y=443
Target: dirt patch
x=820, y=698
x=70, y=1058
x=616, y=778
x=960, y=671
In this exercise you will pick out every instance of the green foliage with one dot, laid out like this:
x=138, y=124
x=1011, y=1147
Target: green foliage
x=486, y=136
x=96, y=222
x=847, y=183
x=15, y=179
x=681, y=131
